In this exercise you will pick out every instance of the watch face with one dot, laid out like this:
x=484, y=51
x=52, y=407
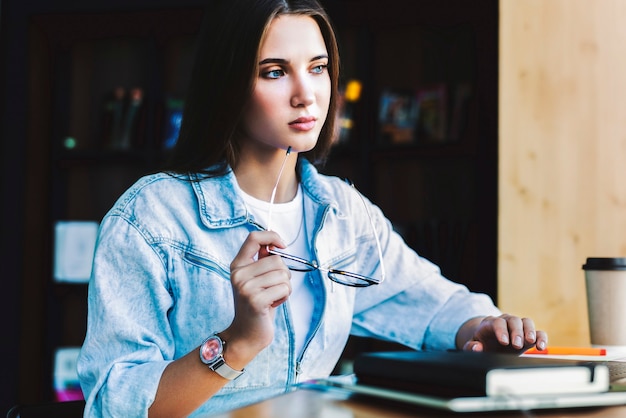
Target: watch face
x=211, y=349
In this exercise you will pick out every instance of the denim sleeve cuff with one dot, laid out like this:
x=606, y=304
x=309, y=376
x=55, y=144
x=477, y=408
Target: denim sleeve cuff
x=460, y=308
x=140, y=383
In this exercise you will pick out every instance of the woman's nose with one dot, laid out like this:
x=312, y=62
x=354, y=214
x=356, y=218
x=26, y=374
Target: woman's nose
x=303, y=92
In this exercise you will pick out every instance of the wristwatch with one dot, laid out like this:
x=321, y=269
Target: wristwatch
x=212, y=354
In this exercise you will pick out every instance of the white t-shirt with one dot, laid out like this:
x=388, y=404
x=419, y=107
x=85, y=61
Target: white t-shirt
x=288, y=221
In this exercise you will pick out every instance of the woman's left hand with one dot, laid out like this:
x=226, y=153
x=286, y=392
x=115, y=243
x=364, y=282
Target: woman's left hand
x=505, y=333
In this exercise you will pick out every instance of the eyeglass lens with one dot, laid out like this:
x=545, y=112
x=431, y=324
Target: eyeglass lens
x=339, y=276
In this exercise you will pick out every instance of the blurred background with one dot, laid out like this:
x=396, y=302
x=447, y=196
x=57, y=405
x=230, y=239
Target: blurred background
x=490, y=132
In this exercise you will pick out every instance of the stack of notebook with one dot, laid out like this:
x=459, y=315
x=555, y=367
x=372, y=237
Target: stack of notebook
x=473, y=382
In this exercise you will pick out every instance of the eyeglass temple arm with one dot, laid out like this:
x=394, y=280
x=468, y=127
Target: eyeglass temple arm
x=273, y=196
x=383, y=274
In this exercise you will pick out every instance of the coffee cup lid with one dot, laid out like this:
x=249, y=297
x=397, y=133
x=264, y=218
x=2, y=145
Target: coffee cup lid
x=605, y=263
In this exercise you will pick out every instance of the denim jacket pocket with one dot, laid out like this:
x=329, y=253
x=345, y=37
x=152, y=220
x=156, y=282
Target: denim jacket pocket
x=213, y=286
x=207, y=264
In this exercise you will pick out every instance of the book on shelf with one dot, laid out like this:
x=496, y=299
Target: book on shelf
x=122, y=121
x=459, y=116
x=173, y=120
x=74, y=245
x=113, y=113
x=432, y=114
x=130, y=134
x=66, y=383
x=397, y=116
x=349, y=95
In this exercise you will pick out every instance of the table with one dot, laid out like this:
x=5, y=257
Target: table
x=311, y=403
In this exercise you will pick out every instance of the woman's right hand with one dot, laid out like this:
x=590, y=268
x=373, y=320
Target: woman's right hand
x=261, y=282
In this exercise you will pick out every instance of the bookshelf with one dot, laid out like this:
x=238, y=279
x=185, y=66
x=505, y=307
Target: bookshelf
x=87, y=143
x=440, y=195
x=439, y=188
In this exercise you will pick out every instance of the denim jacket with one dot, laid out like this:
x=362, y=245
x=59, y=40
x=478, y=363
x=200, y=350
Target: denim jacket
x=160, y=285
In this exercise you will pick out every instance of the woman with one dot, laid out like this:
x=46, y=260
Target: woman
x=203, y=296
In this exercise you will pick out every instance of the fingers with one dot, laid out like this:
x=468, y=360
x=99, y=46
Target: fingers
x=259, y=284
x=506, y=333
x=264, y=278
x=512, y=331
x=262, y=284
x=473, y=345
x=254, y=246
x=524, y=334
x=542, y=340
x=532, y=336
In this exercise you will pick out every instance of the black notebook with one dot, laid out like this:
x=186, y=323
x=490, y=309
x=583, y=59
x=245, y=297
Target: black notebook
x=476, y=382
x=453, y=374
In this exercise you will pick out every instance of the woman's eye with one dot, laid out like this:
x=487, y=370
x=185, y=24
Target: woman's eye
x=273, y=73
x=319, y=69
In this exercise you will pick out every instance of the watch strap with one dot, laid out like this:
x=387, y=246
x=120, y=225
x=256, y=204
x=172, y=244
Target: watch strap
x=220, y=367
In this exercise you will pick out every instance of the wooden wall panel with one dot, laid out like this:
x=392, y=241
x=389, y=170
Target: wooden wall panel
x=562, y=155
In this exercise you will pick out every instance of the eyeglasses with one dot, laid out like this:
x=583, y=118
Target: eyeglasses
x=338, y=276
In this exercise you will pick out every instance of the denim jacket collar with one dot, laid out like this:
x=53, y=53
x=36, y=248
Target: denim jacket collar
x=230, y=210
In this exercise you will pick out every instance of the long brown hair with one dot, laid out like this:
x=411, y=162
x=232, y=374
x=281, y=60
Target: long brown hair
x=222, y=82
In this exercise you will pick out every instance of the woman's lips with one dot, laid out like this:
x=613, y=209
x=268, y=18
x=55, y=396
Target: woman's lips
x=305, y=123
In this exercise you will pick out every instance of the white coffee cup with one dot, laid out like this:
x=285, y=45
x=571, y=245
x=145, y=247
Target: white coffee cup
x=605, y=280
